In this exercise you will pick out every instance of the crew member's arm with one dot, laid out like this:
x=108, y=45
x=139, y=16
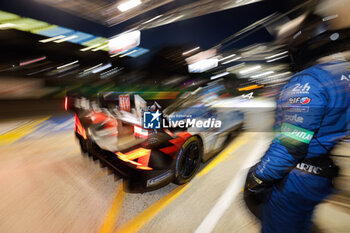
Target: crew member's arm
x=300, y=111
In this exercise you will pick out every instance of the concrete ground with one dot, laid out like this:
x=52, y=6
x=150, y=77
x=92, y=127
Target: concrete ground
x=48, y=186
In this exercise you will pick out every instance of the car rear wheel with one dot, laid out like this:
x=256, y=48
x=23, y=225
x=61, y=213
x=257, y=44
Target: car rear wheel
x=188, y=160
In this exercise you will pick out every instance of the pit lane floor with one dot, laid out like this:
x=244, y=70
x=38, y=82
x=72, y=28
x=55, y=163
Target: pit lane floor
x=48, y=186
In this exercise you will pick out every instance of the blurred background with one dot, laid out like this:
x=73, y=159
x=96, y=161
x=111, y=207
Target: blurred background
x=53, y=47
x=163, y=50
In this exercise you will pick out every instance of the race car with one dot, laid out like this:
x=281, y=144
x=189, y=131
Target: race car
x=150, y=146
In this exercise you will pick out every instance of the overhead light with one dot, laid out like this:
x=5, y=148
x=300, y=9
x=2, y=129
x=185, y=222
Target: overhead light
x=126, y=54
x=277, y=58
x=100, y=47
x=190, y=51
x=232, y=55
x=276, y=55
x=115, y=54
x=203, y=65
x=69, y=64
x=32, y=61
x=234, y=59
x=174, y=19
x=124, y=42
x=51, y=39
x=101, y=68
x=246, y=71
x=262, y=74
x=330, y=17
x=6, y=25
x=39, y=71
x=66, y=38
x=109, y=71
x=235, y=67
x=90, y=47
x=280, y=75
x=87, y=70
x=128, y=5
x=219, y=75
x=150, y=20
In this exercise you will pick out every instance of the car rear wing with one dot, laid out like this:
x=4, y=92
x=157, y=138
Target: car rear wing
x=127, y=107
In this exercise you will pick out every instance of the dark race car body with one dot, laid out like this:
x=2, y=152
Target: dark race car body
x=111, y=130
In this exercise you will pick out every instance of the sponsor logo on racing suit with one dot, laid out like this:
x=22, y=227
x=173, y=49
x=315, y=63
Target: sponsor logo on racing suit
x=343, y=77
x=301, y=89
x=297, y=133
x=294, y=118
x=299, y=100
x=309, y=168
x=297, y=109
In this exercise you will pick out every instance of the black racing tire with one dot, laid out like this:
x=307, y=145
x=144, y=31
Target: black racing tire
x=188, y=160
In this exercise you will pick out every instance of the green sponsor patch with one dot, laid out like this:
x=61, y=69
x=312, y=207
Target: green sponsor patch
x=297, y=133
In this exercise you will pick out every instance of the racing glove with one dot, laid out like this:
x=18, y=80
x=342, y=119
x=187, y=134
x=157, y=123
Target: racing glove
x=256, y=192
x=254, y=184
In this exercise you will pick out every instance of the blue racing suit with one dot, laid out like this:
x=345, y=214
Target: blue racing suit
x=313, y=114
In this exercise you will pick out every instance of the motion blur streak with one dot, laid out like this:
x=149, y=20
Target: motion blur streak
x=113, y=214
x=234, y=146
x=78, y=86
x=276, y=55
x=262, y=74
x=90, y=47
x=51, y=39
x=66, y=103
x=68, y=64
x=252, y=87
x=79, y=128
x=143, y=218
x=65, y=39
x=249, y=70
x=277, y=58
x=219, y=75
x=32, y=61
x=190, y=51
x=128, y=5
x=17, y=133
x=232, y=60
x=232, y=55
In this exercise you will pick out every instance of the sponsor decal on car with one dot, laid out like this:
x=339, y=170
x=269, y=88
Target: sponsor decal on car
x=124, y=102
x=299, y=100
x=158, y=179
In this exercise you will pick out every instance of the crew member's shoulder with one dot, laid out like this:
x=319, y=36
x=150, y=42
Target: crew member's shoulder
x=321, y=73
